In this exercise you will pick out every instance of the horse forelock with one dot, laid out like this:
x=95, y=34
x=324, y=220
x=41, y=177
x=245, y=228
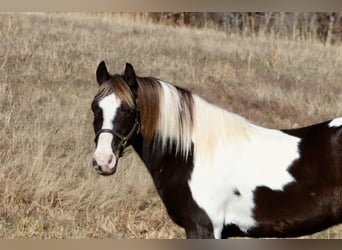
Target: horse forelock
x=117, y=86
x=165, y=114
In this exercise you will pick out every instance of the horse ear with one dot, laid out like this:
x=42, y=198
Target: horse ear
x=102, y=74
x=130, y=77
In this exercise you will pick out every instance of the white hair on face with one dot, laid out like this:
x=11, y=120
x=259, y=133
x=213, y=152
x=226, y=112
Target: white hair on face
x=109, y=105
x=103, y=152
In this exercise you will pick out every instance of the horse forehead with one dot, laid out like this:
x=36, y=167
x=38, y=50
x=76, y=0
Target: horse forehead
x=109, y=103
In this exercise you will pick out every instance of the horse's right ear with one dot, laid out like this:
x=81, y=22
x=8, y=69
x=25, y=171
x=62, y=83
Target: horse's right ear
x=130, y=77
x=102, y=74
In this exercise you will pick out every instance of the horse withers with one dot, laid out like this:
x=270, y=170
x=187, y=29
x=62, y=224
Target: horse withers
x=218, y=174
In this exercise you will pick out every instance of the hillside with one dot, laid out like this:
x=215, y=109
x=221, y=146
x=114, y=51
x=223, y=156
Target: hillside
x=47, y=82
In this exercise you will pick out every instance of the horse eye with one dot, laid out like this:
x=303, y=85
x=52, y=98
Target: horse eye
x=126, y=108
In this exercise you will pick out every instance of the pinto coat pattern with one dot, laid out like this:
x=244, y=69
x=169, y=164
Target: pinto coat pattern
x=218, y=174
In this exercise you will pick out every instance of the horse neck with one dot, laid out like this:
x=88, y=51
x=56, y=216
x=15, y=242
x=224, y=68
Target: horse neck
x=147, y=152
x=154, y=156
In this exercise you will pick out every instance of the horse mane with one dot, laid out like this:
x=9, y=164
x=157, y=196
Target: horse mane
x=166, y=113
x=215, y=126
x=172, y=114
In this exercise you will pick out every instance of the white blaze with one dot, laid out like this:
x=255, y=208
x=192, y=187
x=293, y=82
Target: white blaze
x=104, y=154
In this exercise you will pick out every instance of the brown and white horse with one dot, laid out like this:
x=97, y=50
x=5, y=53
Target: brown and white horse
x=218, y=174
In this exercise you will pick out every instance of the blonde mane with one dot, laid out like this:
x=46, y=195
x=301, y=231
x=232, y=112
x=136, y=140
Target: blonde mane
x=166, y=114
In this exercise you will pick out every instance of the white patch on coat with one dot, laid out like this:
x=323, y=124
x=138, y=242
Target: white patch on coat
x=337, y=122
x=232, y=154
x=104, y=153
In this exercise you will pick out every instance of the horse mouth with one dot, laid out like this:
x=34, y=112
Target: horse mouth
x=105, y=170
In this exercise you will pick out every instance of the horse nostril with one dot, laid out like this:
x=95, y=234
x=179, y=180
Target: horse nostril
x=110, y=159
x=94, y=162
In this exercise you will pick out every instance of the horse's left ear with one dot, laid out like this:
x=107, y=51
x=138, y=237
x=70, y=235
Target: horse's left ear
x=102, y=74
x=130, y=77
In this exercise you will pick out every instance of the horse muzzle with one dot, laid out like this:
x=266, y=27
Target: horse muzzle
x=105, y=169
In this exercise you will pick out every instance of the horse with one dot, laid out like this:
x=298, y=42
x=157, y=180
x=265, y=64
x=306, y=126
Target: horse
x=218, y=174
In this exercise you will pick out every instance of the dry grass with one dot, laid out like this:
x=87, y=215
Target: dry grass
x=47, y=81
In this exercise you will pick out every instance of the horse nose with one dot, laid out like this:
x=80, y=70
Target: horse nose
x=100, y=158
x=105, y=169
x=94, y=163
x=104, y=163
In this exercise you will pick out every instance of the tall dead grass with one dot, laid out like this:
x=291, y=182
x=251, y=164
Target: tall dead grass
x=47, y=81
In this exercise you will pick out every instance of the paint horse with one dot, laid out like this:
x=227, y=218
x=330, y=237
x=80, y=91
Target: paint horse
x=218, y=174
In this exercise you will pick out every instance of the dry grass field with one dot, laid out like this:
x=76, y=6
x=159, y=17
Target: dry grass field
x=47, y=81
